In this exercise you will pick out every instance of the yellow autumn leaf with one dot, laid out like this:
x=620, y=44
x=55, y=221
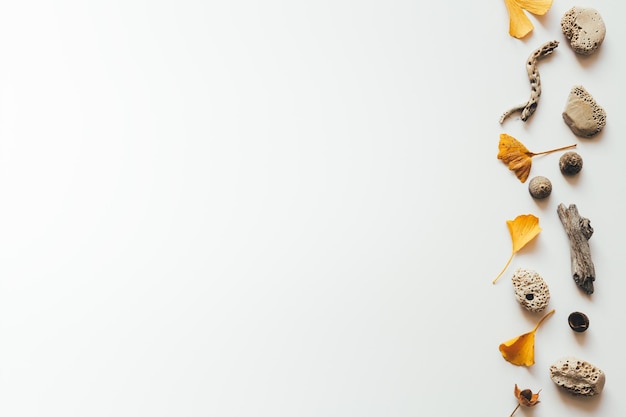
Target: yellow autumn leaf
x=536, y=7
x=518, y=158
x=521, y=349
x=523, y=229
x=519, y=24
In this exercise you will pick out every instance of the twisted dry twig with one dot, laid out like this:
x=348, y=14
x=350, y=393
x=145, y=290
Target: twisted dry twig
x=529, y=107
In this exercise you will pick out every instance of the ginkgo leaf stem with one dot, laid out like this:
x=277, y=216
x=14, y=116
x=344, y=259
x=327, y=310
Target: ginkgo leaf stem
x=554, y=150
x=551, y=312
x=503, y=269
x=514, y=410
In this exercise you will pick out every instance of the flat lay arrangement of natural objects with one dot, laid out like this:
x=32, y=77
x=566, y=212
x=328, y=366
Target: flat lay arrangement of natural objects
x=584, y=29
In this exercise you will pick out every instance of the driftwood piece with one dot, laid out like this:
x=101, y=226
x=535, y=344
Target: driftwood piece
x=578, y=231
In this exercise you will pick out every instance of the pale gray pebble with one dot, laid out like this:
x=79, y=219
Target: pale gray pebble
x=584, y=116
x=584, y=28
x=531, y=291
x=577, y=377
x=540, y=187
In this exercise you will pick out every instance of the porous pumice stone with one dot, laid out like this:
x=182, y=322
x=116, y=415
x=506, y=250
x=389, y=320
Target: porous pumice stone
x=577, y=377
x=531, y=291
x=584, y=116
x=584, y=28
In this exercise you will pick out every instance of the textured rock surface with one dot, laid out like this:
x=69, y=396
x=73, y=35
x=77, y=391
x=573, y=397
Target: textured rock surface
x=584, y=28
x=530, y=106
x=584, y=116
x=531, y=291
x=577, y=377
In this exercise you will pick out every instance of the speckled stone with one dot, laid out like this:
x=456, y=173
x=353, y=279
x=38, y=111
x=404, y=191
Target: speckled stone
x=584, y=116
x=577, y=377
x=531, y=291
x=540, y=187
x=570, y=163
x=584, y=28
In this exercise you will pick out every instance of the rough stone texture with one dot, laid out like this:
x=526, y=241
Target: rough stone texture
x=527, y=109
x=570, y=163
x=583, y=114
x=577, y=377
x=540, y=187
x=531, y=291
x=584, y=28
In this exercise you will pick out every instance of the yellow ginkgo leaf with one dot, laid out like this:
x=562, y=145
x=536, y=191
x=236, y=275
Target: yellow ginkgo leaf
x=523, y=229
x=521, y=349
x=536, y=7
x=519, y=24
x=519, y=159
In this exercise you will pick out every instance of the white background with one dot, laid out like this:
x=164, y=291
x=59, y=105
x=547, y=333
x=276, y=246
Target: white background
x=287, y=208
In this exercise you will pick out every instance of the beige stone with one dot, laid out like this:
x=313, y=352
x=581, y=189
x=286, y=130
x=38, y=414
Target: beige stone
x=584, y=116
x=578, y=377
x=531, y=291
x=585, y=29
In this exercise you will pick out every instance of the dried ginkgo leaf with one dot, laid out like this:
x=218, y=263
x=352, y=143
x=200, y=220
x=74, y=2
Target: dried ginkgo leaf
x=519, y=24
x=523, y=229
x=521, y=349
x=519, y=159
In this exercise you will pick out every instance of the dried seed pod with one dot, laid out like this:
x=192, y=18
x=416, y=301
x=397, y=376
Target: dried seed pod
x=570, y=163
x=579, y=322
x=540, y=187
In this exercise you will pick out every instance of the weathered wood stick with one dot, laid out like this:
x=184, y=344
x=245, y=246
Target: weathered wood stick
x=578, y=231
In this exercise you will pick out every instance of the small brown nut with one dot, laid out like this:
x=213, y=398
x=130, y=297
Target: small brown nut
x=540, y=187
x=579, y=322
x=570, y=163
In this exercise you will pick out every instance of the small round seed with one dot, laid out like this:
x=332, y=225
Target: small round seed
x=579, y=322
x=570, y=163
x=540, y=187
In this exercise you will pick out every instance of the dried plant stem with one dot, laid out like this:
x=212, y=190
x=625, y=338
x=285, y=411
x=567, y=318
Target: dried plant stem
x=553, y=150
x=548, y=314
x=503, y=269
x=530, y=106
x=514, y=410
